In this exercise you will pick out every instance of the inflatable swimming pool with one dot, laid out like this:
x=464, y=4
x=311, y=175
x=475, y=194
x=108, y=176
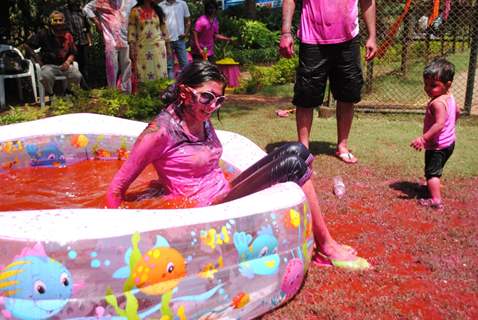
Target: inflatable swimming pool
x=235, y=260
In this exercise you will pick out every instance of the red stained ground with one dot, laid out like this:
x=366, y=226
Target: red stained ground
x=425, y=262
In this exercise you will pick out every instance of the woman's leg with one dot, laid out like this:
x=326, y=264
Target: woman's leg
x=290, y=162
x=323, y=240
x=280, y=169
x=293, y=148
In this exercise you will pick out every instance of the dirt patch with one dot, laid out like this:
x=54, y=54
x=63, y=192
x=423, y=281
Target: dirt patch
x=424, y=261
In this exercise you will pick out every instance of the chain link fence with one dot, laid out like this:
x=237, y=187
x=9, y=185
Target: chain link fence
x=411, y=33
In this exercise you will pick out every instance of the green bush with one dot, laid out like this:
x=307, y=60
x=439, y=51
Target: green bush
x=255, y=56
x=255, y=35
x=142, y=106
x=21, y=114
x=281, y=73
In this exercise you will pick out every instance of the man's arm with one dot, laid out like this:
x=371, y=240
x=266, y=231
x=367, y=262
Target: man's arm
x=369, y=16
x=187, y=26
x=286, y=45
x=71, y=52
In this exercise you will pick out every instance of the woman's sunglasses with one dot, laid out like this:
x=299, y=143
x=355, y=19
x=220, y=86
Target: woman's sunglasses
x=207, y=98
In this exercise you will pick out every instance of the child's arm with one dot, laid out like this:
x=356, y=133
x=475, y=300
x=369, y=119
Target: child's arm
x=458, y=113
x=438, y=109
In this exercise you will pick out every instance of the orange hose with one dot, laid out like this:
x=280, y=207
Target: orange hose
x=393, y=31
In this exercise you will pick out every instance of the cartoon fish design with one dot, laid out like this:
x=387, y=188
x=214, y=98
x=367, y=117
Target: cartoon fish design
x=258, y=256
x=240, y=300
x=293, y=276
x=159, y=270
x=35, y=287
x=48, y=155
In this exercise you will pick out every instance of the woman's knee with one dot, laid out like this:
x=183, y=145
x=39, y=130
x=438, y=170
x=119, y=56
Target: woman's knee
x=292, y=168
x=297, y=148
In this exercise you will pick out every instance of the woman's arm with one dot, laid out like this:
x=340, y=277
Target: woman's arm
x=147, y=148
x=222, y=37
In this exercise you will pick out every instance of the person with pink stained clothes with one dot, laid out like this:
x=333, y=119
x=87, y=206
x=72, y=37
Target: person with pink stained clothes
x=111, y=19
x=182, y=145
x=329, y=48
x=438, y=138
x=206, y=32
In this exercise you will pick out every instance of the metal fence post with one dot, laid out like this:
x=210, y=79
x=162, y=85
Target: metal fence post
x=472, y=64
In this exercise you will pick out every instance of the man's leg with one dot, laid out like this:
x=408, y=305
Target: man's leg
x=170, y=59
x=309, y=88
x=73, y=75
x=181, y=53
x=344, y=114
x=48, y=72
x=346, y=83
x=304, y=124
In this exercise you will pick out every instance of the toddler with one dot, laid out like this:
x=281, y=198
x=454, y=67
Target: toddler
x=438, y=137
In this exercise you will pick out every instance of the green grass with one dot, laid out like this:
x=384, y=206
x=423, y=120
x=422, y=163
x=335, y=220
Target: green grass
x=378, y=140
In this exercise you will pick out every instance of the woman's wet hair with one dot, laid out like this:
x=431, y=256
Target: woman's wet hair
x=439, y=69
x=194, y=75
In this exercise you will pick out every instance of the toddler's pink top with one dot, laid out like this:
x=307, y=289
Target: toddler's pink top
x=328, y=22
x=206, y=31
x=186, y=166
x=446, y=136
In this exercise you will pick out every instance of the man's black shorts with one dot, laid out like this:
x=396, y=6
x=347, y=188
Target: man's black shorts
x=340, y=62
x=435, y=161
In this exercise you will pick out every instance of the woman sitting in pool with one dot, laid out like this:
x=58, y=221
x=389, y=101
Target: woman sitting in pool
x=182, y=145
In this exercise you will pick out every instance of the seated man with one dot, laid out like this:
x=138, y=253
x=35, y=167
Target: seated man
x=57, y=52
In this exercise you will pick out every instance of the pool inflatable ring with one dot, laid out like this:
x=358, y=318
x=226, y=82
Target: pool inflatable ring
x=229, y=261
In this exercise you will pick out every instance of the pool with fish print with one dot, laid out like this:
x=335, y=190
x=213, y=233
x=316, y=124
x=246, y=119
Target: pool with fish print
x=234, y=260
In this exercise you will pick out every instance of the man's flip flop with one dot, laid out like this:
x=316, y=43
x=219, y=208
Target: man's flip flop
x=357, y=264
x=346, y=157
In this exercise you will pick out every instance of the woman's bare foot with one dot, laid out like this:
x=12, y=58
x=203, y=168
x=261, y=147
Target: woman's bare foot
x=334, y=250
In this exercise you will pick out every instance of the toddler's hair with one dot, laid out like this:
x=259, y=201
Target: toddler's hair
x=439, y=69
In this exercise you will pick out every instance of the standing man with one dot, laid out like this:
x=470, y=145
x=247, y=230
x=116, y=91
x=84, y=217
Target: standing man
x=179, y=22
x=329, y=47
x=111, y=19
x=79, y=26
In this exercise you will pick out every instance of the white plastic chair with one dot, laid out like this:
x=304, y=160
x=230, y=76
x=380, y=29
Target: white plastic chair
x=41, y=88
x=30, y=73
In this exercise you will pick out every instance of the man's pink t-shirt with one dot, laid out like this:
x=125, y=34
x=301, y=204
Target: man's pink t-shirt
x=446, y=137
x=185, y=165
x=206, y=31
x=328, y=22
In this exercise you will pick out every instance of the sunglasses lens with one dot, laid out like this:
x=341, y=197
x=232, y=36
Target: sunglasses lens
x=206, y=97
x=220, y=101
